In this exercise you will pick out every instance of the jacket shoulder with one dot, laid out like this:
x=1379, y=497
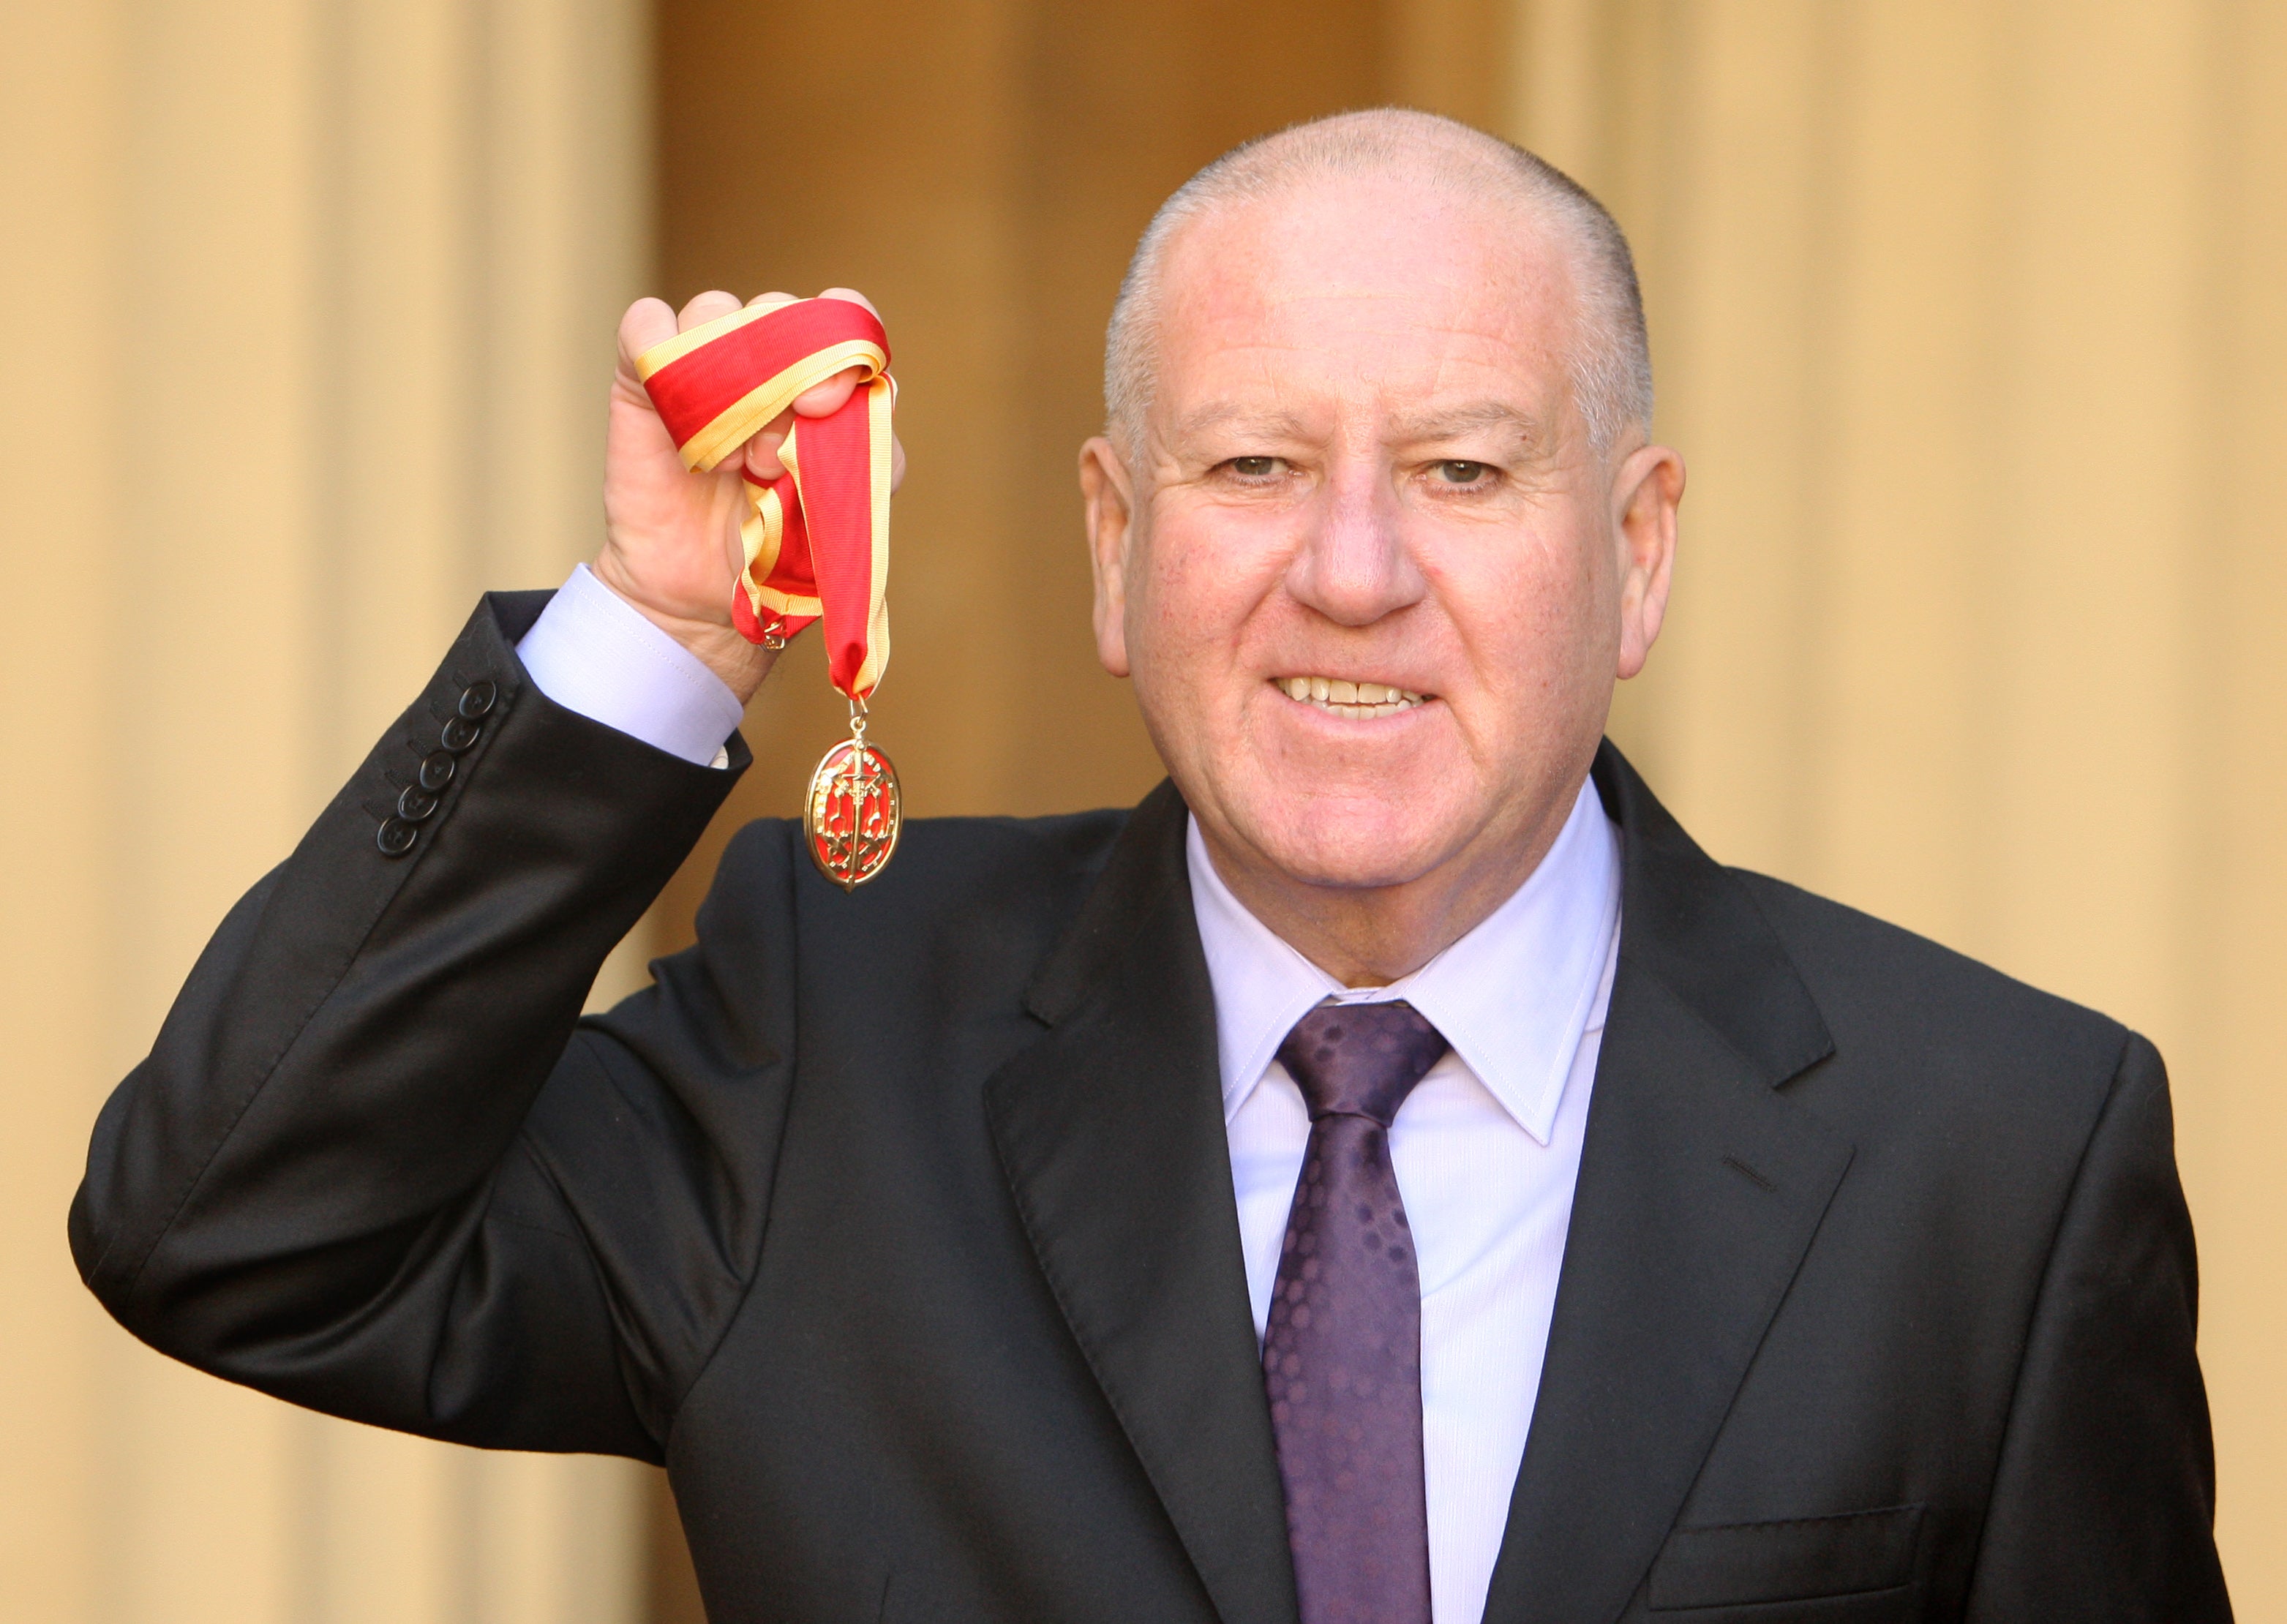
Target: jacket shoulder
x=1898, y=1001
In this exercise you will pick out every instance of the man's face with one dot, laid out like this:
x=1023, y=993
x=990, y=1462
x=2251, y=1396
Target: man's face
x=1371, y=580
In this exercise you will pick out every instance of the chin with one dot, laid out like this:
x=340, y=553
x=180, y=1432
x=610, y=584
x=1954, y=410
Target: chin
x=1349, y=839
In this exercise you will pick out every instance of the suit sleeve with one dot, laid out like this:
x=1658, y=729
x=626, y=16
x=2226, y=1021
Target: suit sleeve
x=2103, y=1506
x=374, y=1162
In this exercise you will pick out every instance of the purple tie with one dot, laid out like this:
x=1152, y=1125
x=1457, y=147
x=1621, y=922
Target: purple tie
x=1342, y=1356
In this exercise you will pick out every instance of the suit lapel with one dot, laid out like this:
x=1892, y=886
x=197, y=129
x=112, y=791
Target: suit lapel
x=1700, y=1189
x=1110, y=1131
x=1701, y=1186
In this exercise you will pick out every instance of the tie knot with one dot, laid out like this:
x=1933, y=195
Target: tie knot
x=1360, y=1060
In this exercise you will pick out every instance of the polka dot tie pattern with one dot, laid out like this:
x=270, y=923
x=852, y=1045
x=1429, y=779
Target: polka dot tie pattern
x=1341, y=1355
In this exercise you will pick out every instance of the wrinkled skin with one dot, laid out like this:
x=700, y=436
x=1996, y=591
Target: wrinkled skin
x=1363, y=460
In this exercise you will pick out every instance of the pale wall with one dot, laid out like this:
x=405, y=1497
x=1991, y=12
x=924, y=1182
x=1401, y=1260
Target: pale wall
x=308, y=311
x=1971, y=322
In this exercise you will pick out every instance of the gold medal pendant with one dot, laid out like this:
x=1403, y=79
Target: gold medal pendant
x=851, y=816
x=816, y=539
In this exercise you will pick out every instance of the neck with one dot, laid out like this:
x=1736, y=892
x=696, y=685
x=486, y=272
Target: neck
x=1371, y=936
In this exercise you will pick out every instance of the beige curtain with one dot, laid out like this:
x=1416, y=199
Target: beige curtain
x=1970, y=321
x=308, y=309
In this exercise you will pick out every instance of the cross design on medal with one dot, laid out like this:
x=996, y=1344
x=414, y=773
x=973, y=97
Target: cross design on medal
x=852, y=814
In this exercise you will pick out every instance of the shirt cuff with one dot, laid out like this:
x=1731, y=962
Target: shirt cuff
x=593, y=651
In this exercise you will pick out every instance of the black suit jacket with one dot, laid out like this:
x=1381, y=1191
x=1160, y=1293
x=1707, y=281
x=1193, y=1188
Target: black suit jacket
x=899, y=1224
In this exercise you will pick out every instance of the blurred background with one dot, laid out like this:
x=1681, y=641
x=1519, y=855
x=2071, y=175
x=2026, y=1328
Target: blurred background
x=1970, y=317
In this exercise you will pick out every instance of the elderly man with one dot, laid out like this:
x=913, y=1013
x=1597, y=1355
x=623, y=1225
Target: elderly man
x=1389, y=1174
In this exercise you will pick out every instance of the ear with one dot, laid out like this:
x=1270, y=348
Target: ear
x=1647, y=487
x=1109, y=494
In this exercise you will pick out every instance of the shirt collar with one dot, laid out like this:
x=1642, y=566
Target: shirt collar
x=1514, y=997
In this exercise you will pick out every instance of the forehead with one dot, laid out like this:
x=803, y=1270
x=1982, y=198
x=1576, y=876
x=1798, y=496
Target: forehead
x=1381, y=284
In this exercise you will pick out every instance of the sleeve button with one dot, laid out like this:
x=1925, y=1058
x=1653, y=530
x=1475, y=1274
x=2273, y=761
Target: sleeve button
x=437, y=770
x=459, y=734
x=415, y=804
x=478, y=699
x=394, y=837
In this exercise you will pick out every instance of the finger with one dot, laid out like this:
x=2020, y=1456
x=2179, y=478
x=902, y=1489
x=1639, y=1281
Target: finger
x=763, y=451
x=762, y=298
x=853, y=296
x=819, y=400
x=648, y=322
x=762, y=455
x=824, y=399
x=709, y=306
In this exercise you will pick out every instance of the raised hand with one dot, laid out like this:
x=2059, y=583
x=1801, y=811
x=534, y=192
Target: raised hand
x=672, y=536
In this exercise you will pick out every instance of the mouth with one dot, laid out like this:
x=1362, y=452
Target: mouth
x=1350, y=698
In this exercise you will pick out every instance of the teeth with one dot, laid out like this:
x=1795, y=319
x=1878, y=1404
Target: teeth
x=1345, y=697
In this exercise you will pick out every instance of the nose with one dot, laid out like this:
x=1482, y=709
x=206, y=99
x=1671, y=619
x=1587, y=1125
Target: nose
x=1353, y=567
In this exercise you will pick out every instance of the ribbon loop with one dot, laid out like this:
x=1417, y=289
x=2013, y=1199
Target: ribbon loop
x=817, y=539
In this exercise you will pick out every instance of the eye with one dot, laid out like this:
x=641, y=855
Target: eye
x=1457, y=471
x=1256, y=467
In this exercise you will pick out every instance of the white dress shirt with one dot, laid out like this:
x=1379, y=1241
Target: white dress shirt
x=1486, y=1148
x=593, y=651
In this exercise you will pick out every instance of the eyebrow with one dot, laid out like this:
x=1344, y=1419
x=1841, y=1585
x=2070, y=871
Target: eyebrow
x=1449, y=423
x=1453, y=422
x=1215, y=414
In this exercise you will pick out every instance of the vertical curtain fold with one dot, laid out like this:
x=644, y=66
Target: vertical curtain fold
x=310, y=307
x=1968, y=319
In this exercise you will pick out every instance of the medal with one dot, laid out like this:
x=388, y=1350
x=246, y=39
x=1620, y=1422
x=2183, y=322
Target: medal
x=850, y=815
x=817, y=538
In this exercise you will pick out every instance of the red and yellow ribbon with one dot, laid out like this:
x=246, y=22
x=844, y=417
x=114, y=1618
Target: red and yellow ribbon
x=817, y=538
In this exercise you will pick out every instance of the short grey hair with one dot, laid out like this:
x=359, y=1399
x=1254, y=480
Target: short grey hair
x=1611, y=362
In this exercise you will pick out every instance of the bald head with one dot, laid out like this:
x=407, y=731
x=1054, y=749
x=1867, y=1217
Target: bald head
x=1608, y=361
